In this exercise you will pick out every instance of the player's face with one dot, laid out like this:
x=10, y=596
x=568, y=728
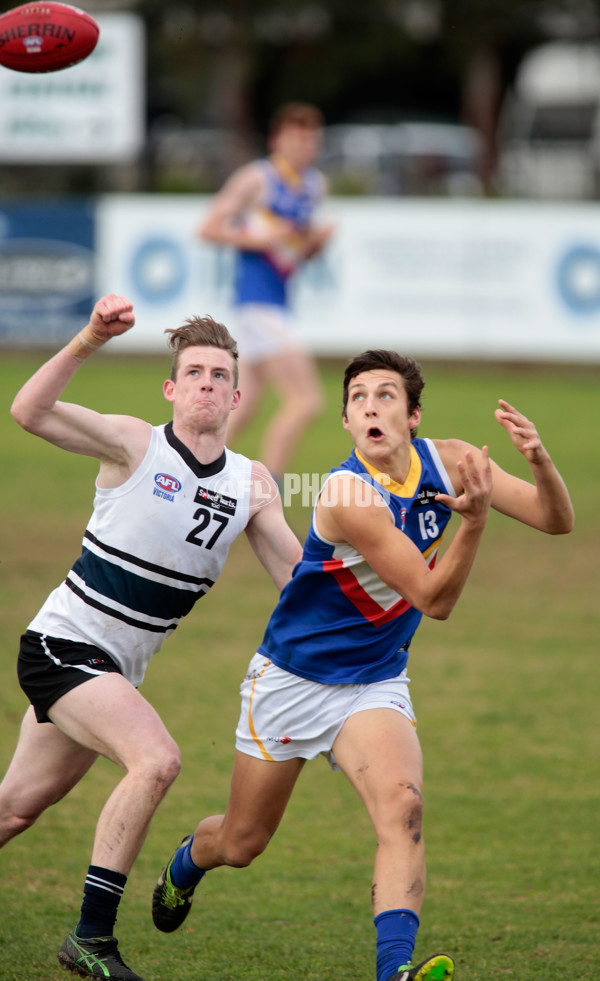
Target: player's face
x=377, y=414
x=203, y=392
x=298, y=144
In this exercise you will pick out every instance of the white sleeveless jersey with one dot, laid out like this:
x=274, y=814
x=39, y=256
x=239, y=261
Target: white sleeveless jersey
x=153, y=546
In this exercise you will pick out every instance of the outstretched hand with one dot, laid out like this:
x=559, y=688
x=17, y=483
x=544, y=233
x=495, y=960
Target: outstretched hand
x=111, y=316
x=521, y=431
x=474, y=502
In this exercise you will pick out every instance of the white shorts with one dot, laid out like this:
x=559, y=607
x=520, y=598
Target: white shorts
x=263, y=330
x=284, y=716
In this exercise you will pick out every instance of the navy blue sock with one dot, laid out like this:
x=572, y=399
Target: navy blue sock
x=183, y=871
x=101, y=896
x=396, y=937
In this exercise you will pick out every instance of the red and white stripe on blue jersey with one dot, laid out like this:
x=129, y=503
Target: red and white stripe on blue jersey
x=363, y=587
x=337, y=622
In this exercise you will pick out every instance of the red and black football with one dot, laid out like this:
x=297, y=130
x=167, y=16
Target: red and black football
x=46, y=37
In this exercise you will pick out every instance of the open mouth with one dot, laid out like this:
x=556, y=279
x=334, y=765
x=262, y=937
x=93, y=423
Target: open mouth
x=375, y=433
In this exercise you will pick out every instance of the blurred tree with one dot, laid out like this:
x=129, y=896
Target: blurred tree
x=225, y=66
x=229, y=65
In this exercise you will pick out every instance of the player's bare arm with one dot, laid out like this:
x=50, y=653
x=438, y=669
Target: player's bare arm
x=244, y=190
x=271, y=538
x=241, y=191
x=119, y=442
x=544, y=504
x=368, y=526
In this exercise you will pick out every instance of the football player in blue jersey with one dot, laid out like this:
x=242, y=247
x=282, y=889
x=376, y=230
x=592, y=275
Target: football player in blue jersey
x=266, y=211
x=330, y=675
x=169, y=501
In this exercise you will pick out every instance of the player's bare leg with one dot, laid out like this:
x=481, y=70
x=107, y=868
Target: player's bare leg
x=294, y=377
x=46, y=765
x=110, y=717
x=379, y=752
x=260, y=790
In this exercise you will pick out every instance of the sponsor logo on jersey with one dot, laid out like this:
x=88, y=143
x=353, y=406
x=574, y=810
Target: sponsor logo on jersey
x=426, y=496
x=218, y=502
x=167, y=483
x=278, y=739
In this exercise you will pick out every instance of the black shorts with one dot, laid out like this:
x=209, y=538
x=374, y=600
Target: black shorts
x=48, y=667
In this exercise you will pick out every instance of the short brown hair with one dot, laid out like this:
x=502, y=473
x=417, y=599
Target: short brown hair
x=296, y=114
x=408, y=369
x=201, y=332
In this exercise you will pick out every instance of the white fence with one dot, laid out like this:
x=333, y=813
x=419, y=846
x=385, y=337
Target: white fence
x=439, y=278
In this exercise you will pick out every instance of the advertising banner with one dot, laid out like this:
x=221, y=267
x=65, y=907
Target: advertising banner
x=93, y=113
x=448, y=279
x=47, y=274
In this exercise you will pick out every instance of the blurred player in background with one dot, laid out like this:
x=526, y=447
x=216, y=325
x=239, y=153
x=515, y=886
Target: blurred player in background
x=330, y=675
x=266, y=211
x=169, y=502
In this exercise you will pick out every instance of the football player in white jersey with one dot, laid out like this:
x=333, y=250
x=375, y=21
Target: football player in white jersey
x=169, y=501
x=330, y=675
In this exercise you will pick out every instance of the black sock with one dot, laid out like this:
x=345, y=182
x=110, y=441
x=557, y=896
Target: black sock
x=101, y=896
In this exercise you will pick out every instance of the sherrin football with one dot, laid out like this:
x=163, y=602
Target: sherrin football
x=46, y=37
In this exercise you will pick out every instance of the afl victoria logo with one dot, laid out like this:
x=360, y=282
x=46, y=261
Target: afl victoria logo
x=167, y=483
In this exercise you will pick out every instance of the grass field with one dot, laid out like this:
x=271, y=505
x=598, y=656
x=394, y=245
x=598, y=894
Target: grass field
x=506, y=691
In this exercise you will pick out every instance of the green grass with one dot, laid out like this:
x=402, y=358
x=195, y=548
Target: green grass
x=506, y=692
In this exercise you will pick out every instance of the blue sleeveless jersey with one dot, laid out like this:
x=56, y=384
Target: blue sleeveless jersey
x=261, y=277
x=336, y=621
